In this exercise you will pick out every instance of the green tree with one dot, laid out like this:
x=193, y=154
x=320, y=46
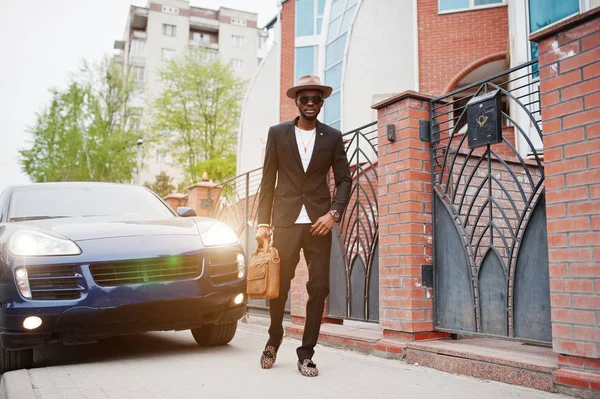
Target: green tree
x=163, y=185
x=87, y=133
x=197, y=113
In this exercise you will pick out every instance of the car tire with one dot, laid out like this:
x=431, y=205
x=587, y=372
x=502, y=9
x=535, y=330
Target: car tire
x=15, y=360
x=214, y=335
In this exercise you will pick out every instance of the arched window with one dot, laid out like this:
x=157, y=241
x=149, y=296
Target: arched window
x=341, y=17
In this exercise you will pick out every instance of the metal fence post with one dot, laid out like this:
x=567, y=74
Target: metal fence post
x=246, y=217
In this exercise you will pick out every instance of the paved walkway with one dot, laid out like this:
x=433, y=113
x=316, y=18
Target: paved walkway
x=171, y=365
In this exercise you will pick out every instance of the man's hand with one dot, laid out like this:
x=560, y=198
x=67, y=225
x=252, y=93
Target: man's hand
x=323, y=226
x=263, y=233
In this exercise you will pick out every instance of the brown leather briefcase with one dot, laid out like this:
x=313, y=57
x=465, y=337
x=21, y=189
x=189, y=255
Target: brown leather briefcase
x=263, y=273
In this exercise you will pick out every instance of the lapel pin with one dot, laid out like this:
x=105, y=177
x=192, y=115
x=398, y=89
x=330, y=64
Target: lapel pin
x=321, y=134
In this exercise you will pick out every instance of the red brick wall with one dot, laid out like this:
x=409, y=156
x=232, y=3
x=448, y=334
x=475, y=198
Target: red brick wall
x=570, y=86
x=450, y=42
x=174, y=201
x=287, y=108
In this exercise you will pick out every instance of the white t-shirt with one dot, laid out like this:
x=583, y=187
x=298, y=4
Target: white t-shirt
x=306, y=143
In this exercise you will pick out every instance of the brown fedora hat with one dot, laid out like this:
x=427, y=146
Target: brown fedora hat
x=308, y=82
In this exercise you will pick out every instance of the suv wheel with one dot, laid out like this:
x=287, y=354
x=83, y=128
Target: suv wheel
x=214, y=335
x=15, y=359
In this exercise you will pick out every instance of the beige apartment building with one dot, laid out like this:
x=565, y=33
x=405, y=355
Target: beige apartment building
x=164, y=29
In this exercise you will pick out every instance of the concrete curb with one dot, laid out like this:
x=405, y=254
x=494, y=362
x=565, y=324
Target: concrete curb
x=16, y=385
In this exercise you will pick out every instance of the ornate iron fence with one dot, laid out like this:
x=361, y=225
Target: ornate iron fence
x=490, y=244
x=354, y=268
x=354, y=272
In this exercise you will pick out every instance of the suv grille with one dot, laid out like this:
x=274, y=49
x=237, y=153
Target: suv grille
x=146, y=270
x=54, y=282
x=222, y=268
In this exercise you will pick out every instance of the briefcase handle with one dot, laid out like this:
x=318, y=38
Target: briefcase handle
x=265, y=244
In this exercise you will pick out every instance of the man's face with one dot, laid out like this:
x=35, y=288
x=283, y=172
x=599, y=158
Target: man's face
x=309, y=103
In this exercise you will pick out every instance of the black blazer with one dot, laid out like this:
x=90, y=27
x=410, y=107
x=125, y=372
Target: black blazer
x=281, y=205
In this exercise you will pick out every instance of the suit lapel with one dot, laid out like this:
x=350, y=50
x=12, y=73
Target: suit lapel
x=291, y=136
x=318, y=144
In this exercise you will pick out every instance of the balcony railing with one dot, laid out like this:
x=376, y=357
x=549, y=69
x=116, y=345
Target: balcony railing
x=204, y=24
x=208, y=45
x=139, y=17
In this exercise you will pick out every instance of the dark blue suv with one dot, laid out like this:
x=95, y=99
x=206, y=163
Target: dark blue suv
x=84, y=261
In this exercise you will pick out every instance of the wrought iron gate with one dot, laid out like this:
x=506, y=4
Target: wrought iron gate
x=489, y=224
x=354, y=272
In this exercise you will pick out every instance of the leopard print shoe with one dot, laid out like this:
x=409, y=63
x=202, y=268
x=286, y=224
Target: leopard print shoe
x=307, y=368
x=268, y=357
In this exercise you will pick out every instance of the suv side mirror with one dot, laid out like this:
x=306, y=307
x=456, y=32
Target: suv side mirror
x=185, y=212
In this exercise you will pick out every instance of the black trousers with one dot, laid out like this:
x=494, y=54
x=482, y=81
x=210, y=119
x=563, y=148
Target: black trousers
x=317, y=251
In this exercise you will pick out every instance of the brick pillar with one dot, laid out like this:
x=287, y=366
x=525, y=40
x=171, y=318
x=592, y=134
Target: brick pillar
x=405, y=197
x=201, y=196
x=175, y=200
x=569, y=64
x=287, y=108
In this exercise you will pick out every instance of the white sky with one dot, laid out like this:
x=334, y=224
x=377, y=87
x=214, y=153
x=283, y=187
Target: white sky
x=44, y=40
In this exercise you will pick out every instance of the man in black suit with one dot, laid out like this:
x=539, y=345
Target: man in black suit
x=295, y=201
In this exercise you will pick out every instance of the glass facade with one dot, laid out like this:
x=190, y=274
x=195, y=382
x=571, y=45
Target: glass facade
x=305, y=61
x=309, y=17
x=320, y=11
x=342, y=16
x=455, y=5
x=545, y=12
x=309, y=21
x=305, y=17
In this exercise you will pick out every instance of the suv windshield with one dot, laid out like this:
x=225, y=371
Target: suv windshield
x=48, y=201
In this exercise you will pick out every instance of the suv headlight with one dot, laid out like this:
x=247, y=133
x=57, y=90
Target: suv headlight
x=36, y=243
x=241, y=264
x=219, y=234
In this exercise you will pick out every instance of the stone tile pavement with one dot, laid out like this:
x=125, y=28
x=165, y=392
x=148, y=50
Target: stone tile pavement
x=171, y=365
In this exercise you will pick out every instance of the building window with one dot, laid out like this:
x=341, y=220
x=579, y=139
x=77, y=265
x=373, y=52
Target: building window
x=169, y=30
x=200, y=37
x=546, y=12
x=134, y=124
x=333, y=108
x=170, y=10
x=335, y=51
x=333, y=76
x=305, y=17
x=238, y=41
x=167, y=54
x=460, y=5
x=262, y=40
x=212, y=56
x=309, y=16
x=304, y=61
x=138, y=73
x=337, y=8
x=138, y=48
x=237, y=64
x=320, y=12
x=163, y=157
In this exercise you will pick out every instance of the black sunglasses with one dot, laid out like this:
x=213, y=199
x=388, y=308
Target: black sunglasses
x=316, y=100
